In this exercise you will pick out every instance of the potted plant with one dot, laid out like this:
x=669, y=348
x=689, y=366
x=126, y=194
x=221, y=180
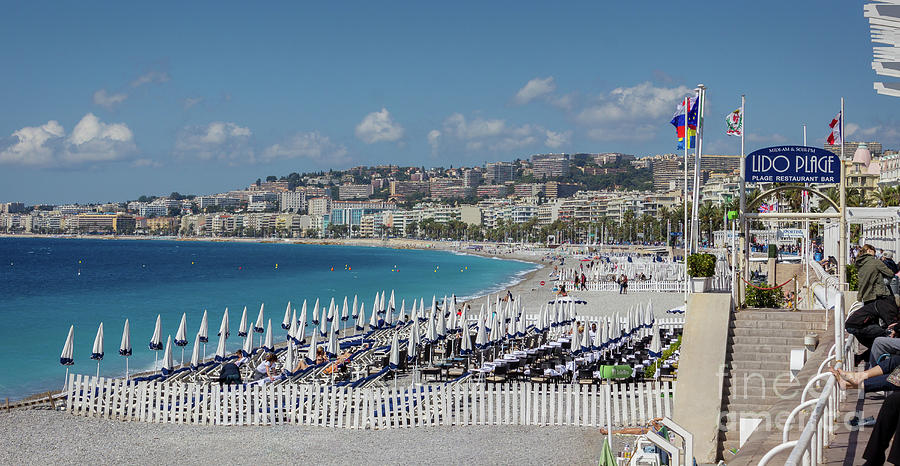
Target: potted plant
x=700, y=268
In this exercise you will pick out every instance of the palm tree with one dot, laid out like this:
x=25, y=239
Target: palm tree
x=886, y=196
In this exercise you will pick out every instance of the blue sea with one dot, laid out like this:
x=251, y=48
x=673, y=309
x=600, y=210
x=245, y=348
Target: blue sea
x=48, y=284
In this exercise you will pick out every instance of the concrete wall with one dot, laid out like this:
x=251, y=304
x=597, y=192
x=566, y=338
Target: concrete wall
x=698, y=398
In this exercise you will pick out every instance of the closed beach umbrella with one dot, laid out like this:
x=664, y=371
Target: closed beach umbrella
x=521, y=326
x=156, y=340
x=375, y=309
x=452, y=323
x=335, y=327
x=575, y=341
x=195, y=354
x=389, y=317
x=481, y=340
x=422, y=315
x=300, y=334
x=242, y=330
x=292, y=330
x=441, y=325
x=220, y=349
x=67, y=356
x=394, y=361
x=204, y=329
x=373, y=320
x=286, y=322
x=315, y=316
x=465, y=342
x=269, y=346
x=311, y=353
x=97, y=351
x=181, y=334
x=259, y=326
x=289, y=358
x=655, y=349
x=345, y=312
x=223, y=329
x=585, y=339
x=402, y=315
x=414, y=313
x=431, y=335
x=391, y=305
x=333, y=348
x=361, y=319
x=331, y=310
x=598, y=337
x=167, y=364
x=247, y=349
x=323, y=326
x=355, y=307
x=381, y=303
x=125, y=346
x=413, y=344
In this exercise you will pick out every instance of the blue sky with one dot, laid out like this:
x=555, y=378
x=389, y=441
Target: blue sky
x=108, y=101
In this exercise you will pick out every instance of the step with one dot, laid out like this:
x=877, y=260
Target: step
x=739, y=350
x=776, y=324
x=796, y=316
x=770, y=332
x=766, y=340
x=780, y=364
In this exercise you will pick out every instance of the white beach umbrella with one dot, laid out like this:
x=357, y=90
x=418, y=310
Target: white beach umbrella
x=655, y=349
x=67, y=356
x=156, y=340
x=381, y=307
x=453, y=321
x=315, y=316
x=413, y=345
x=585, y=339
x=204, y=329
x=323, y=325
x=391, y=304
x=292, y=330
x=355, y=311
x=575, y=341
x=345, y=311
x=333, y=347
x=336, y=326
x=242, y=330
x=331, y=310
x=181, y=334
x=598, y=336
x=389, y=317
x=394, y=361
x=431, y=334
x=603, y=330
x=269, y=346
x=195, y=353
x=481, y=339
x=286, y=322
x=97, y=351
x=300, y=334
x=247, y=348
x=125, y=346
x=510, y=324
x=361, y=318
x=433, y=306
x=465, y=342
x=402, y=315
x=441, y=325
x=311, y=352
x=414, y=313
x=168, y=365
x=223, y=328
x=289, y=362
x=221, y=352
x=375, y=310
x=522, y=328
x=258, y=327
x=422, y=315
x=373, y=320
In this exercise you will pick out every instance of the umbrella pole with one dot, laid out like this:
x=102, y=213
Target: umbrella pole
x=155, y=358
x=66, y=380
x=182, y=356
x=98, y=369
x=204, y=352
x=126, y=368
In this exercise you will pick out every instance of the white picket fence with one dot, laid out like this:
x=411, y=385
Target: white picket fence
x=641, y=286
x=369, y=408
x=668, y=323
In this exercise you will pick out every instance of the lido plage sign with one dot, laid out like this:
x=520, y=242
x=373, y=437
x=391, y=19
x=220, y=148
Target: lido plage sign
x=792, y=164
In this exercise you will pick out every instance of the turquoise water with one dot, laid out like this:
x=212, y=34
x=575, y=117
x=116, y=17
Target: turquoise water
x=47, y=284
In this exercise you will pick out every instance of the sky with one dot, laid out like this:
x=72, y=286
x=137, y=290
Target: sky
x=106, y=101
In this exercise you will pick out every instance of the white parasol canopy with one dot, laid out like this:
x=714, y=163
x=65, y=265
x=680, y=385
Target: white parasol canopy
x=156, y=339
x=269, y=345
x=361, y=318
x=181, y=334
x=260, y=322
x=168, y=365
x=223, y=328
x=394, y=361
x=204, y=329
x=242, y=330
x=195, y=354
x=286, y=322
x=125, y=347
x=97, y=351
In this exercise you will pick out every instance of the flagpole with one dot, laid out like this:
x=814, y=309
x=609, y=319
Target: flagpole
x=684, y=228
x=742, y=207
x=695, y=231
x=842, y=239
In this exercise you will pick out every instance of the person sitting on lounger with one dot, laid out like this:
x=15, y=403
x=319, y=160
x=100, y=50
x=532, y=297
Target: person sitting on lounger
x=266, y=368
x=230, y=373
x=320, y=355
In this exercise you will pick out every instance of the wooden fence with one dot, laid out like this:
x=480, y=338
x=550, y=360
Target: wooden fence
x=369, y=408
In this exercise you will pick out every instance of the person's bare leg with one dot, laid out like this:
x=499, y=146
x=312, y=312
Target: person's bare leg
x=853, y=379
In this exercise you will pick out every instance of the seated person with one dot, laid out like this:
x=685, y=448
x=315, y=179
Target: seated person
x=230, y=373
x=884, y=359
x=320, y=355
x=266, y=369
x=301, y=365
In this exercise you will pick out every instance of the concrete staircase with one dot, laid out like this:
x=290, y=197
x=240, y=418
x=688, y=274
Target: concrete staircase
x=757, y=367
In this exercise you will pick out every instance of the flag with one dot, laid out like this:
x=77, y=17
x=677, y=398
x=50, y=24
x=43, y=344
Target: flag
x=767, y=208
x=837, y=130
x=734, y=122
x=686, y=125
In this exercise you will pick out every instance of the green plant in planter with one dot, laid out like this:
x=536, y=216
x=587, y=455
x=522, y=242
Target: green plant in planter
x=852, y=277
x=764, y=298
x=701, y=265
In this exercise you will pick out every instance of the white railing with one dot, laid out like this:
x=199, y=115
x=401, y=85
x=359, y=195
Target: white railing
x=459, y=404
x=640, y=286
x=816, y=435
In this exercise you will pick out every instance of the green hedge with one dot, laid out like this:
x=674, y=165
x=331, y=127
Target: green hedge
x=650, y=370
x=701, y=265
x=764, y=298
x=852, y=277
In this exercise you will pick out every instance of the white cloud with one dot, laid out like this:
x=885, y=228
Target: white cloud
x=90, y=141
x=152, y=77
x=564, y=102
x=495, y=134
x=630, y=113
x=434, y=140
x=537, y=87
x=379, y=127
x=105, y=99
x=146, y=163
x=556, y=139
x=311, y=145
x=192, y=101
x=219, y=140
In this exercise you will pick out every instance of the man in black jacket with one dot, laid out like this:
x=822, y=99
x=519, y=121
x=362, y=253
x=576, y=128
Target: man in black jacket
x=878, y=315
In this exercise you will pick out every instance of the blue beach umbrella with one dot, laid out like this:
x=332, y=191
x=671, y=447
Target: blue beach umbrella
x=125, y=346
x=242, y=329
x=286, y=322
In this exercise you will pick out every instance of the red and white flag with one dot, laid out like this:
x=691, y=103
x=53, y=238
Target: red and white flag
x=837, y=130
